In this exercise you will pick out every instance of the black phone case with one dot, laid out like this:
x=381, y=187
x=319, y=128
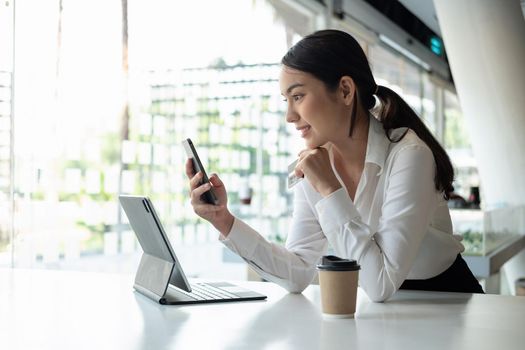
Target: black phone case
x=209, y=196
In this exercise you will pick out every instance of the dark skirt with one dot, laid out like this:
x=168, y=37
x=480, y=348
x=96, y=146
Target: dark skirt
x=457, y=278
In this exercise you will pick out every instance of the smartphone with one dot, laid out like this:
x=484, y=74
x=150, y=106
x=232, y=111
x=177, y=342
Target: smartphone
x=209, y=196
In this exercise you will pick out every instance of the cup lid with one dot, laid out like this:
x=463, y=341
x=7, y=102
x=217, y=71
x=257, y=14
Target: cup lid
x=334, y=263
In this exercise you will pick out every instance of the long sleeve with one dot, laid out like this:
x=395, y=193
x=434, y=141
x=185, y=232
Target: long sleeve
x=386, y=254
x=291, y=266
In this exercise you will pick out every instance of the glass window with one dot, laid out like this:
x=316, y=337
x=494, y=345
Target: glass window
x=457, y=144
x=6, y=142
x=107, y=121
x=429, y=100
x=385, y=67
x=411, y=82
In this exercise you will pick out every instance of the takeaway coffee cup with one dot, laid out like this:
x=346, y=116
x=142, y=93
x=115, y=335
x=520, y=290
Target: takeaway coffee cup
x=338, y=282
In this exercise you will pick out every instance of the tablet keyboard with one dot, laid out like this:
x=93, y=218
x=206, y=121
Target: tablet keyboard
x=204, y=291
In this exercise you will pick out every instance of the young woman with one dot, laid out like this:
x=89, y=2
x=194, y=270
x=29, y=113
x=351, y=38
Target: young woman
x=376, y=182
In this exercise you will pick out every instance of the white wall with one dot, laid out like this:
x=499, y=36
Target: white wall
x=485, y=43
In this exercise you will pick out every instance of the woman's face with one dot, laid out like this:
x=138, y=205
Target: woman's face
x=319, y=115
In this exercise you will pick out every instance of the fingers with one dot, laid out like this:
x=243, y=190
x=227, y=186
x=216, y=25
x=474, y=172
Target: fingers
x=199, y=207
x=215, y=180
x=309, y=157
x=195, y=181
x=303, y=154
x=190, y=172
x=306, y=152
x=197, y=192
x=298, y=172
x=195, y=178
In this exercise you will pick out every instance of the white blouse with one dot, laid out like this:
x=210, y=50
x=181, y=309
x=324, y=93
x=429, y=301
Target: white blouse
x=398, y=226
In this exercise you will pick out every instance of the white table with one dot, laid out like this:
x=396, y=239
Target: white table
x=77, y=310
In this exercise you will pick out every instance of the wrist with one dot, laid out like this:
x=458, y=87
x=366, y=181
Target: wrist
x=328, y=190
x=224, y=223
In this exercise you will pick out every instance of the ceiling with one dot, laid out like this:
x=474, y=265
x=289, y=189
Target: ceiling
x=426, y=12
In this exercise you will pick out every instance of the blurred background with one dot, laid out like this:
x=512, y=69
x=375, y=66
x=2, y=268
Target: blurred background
x=97, y=96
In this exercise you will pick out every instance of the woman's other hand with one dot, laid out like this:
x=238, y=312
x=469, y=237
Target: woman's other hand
x=218, y=215
x=314, y=164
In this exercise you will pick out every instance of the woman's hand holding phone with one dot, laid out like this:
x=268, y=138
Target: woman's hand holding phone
x=218, y=215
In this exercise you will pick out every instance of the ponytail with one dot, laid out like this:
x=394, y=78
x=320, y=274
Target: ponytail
x=396, y=113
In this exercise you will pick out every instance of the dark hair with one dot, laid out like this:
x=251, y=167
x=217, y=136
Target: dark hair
x=331, y=54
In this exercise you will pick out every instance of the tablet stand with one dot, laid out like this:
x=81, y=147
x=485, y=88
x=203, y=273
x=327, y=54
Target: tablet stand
x=153, y=276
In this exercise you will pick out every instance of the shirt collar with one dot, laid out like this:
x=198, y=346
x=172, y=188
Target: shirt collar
x=377, y=144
